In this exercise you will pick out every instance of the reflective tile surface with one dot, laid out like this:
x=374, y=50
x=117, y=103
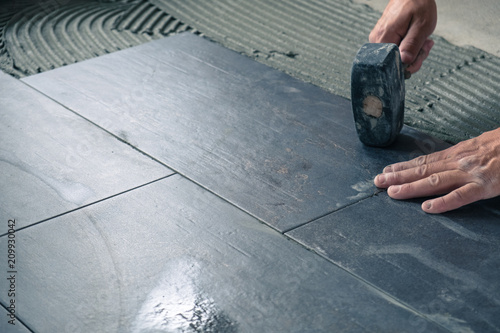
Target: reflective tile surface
x=172, y=257
x=447, y=266
x=52, y=160
x=283, y=150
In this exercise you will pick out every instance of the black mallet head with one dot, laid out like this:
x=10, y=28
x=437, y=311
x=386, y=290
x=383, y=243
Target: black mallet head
x=378, y=93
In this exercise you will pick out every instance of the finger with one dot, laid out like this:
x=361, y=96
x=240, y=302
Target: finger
x=460, y=150
x=435, y=184
x=462, y=196
x=411, y=44
x=417, y=162
x=410, y=175
x=392, y=26
x=422, y=55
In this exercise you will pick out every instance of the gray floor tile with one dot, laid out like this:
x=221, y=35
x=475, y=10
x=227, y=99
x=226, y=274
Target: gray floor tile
x=52, y=160
x=446, y=265
x=280, y=149
x=170, y=256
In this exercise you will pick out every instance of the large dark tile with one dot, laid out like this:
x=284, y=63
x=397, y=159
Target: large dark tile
x=283, y=150
x=52, y=160
x=170, y=256
x=446, y=266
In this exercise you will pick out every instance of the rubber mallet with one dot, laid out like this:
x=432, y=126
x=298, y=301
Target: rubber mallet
x=378, y=93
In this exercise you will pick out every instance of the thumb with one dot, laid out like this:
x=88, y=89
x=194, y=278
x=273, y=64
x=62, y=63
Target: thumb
x=411, y=45
x=422, y=55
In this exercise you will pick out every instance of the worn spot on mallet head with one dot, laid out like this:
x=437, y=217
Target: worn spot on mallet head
x=372, y=106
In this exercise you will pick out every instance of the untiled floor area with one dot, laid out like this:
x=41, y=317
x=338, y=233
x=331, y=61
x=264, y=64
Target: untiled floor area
x=178, y=186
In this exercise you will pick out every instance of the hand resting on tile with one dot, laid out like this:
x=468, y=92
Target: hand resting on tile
x=462, y=174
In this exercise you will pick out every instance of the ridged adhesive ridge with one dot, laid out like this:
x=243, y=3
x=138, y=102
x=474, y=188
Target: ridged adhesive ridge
x=34, y=40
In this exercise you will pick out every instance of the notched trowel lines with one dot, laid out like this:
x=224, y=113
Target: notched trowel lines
x=33, y=40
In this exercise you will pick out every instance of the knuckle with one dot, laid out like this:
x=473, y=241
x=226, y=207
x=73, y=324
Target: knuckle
x=484, y=186
x=388, y=169
x=467, y=163
x=394, y=177
x=421, y=170
x=439, y=203
x=376, y=35
x=396, y=167
x=434, y=180
x=481, y=179
x=412, y=42
x=405, y=188
x=482, y=191
x=458, y=196
x=421, y=160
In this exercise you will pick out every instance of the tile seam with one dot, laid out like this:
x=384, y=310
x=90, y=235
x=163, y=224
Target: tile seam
x=173, y=170
x=377, y=290
x=91, y=203
x=18, y=319
x=331, y=212
x=98, y=126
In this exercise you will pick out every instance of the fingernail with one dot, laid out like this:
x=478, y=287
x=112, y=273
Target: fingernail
x=427, y=205
x=395, y=189
x=387, y=169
